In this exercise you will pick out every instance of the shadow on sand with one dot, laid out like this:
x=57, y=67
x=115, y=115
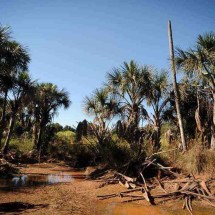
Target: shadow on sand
x=18, y=207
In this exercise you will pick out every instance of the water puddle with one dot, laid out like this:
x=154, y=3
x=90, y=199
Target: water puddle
x=34, y=180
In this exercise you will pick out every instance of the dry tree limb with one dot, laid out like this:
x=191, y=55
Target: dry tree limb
x=102, y=197
x=166, y=194
x=144, y=181
x=205, y=188
x=160, y=185
x=132, y=185
x=168, y=199
x=161, y=152
x=184, y=205
x=132, y=190
x=165, y=168
x=129, y=179
x=188, y=205
x=185, y=186
x=127, y=185
x=192, y=186
x=200, y=195
x=130, y=195
x=135, y=199
x=149, y=163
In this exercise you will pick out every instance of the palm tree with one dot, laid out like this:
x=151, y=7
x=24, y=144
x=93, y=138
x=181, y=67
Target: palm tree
x=201, y=60
x=22, y=87
x=130, y=85
x=13, y=59
x=103, y=109
x=158, y=98
x=48, y=99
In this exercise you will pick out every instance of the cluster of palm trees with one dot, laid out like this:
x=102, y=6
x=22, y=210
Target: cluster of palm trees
x=122, y=97
x=131, y=88
x=24, y=101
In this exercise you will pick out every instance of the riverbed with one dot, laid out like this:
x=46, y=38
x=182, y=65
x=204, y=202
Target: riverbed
x=59, y=189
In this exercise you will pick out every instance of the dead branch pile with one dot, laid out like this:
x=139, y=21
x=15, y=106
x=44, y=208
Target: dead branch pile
x=159, y=190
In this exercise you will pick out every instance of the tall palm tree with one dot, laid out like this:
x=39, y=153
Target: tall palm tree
x=13, y=58
x=158, y=98
x=48, y=99
x=103, y=109
x=201, y=60
x=130, y=84
x=22, y=87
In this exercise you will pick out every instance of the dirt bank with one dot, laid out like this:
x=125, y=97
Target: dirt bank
x=78, y=197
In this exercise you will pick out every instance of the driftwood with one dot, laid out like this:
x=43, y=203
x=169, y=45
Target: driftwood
x=128, y=179
x=188, y=188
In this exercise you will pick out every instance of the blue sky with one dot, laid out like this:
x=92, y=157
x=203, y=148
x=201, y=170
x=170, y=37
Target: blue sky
x=73, y=43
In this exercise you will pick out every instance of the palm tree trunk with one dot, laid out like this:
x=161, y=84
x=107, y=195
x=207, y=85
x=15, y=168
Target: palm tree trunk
x=199, y=123
x=39, y=138
x=213, y=125
x=7, y=141
x=34, y=135
x=177, y=102
x=157, y=135
x=157, y=130
x=2, y=125
x=39, y=134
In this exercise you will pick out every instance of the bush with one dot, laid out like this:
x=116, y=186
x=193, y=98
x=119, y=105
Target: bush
x=21, y=145
x=115, y=154
x=66, y=136
x=77, y=155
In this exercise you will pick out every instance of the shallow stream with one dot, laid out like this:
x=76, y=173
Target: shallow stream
x=30, y=180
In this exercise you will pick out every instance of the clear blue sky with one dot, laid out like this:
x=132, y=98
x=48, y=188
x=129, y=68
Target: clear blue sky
x=73, y=43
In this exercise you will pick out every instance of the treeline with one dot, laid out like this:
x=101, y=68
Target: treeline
x=137, y=100
x=26, y=106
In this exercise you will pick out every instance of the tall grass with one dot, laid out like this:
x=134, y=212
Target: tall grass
x=197, y=161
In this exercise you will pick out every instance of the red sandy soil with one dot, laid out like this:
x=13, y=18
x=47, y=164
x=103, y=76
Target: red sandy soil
x=79, y=197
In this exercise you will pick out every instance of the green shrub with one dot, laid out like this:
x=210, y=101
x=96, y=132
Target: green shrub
x=66, y=136
x=77, y=155
x=21, y=145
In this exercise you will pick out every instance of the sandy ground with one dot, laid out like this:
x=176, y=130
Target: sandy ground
x=79, y=197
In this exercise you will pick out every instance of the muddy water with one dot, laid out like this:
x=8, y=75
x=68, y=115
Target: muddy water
x=29, y=180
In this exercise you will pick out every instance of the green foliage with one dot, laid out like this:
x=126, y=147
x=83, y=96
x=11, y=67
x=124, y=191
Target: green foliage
x=22, y=145
x=68, y=128
x=66, y=136
x=115, y=154
x=77, y=155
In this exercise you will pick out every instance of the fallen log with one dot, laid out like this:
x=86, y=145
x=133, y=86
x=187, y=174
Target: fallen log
x=135, y=199
x=132, y=190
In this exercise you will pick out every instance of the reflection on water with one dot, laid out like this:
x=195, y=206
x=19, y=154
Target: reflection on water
x=34, y=180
